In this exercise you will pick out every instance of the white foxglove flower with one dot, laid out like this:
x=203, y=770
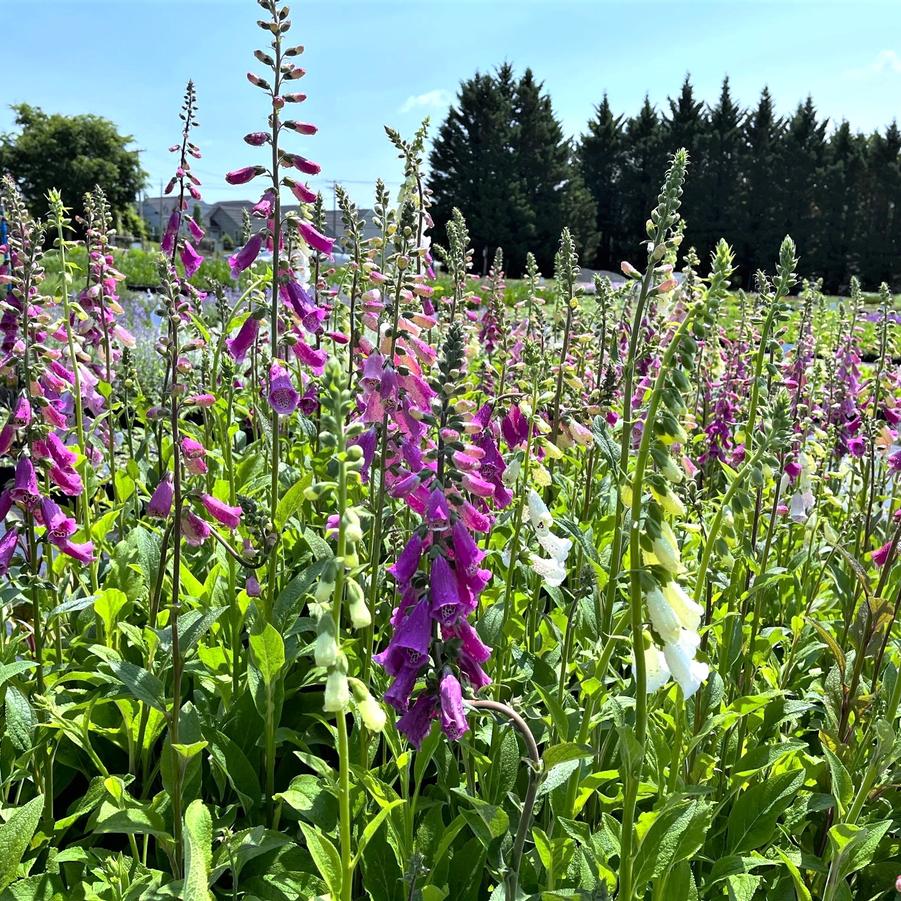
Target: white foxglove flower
x=551, y=570
x=687, y=671
x=687, y=611
x=337, y=692
x=511, y=473
x=371, y=713
x=556, y=547
x=666, y=554
x=656, y=669
x=539, y=515
x=670, y=502
x=663, y=617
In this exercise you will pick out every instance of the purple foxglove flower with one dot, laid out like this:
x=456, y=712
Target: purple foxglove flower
x=437, y=512
x=856, y=446
x=444, y=593
x=6, y=503
x=263, y=207
x=67, y=480
x=83, y=551
x=409, y=646
x=220, y=511
x=407, y=563
x=398, y=693
x=192, y=449
x=283, y=396
x=793, y=469
x=315, y=239
x=167, y=245
x=416, y=723
x=312, y=357
x=368, y=441
x=196, y=231
x=244, y=175
x=240, y=344
x=475, y=519
x=478, y=486
x=515, y=427
x=467, y=554
x=160, y=505
x=239, y=261
x=25, y=490
x=7, y=434
x=302, y=192
x=59, y=526
x=453, y=719
x=191, y=259
x=301, y=163
x=252, y=587
x=881, y=556
x=59, y=452
x=257, y=138
x=22, y=415
x=8, y=544
x=194, y=529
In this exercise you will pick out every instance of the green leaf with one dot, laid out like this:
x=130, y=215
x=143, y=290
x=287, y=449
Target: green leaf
x=268, y=653
x=237, y=768
x=15, y=836
x=842, y=785
x=140, y=820
x=564, y=752
x=766, y=756
x=107, y=605
x=372, y=827
x=142, y=684
x=676, y=833
x=802, y=893
x=752, y=820
x=197, y=843
x=290, y=501
x=325, y=856
x=20, y=719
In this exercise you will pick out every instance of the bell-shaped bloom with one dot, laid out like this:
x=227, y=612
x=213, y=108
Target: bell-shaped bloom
x=687, y=671
x=302, y=192
x=25, y=491
x=160, y=505
x=191, y=259
x=409, y=646
x=245, y=257
x=301, y=163
x=444, y=592
x=59, y=452
x=191, y=448
x=22, y=413
x=337, y=692
x=880, y=557
x=551, y=570
x=416, y=723
x=539, y=515
x=220, y=511
x=82, y=551
x=167, y=245
x=437, y=512
x=515, y=427
x=283, y=396
x=241, y=343
x=554, y=546
x=407, y=563
x=657, y=672
x=59, y=526
x=315, y=238
x=453, y=718
x=197, y=232
x=194, y=529
x=8, y=544
x=243, y=175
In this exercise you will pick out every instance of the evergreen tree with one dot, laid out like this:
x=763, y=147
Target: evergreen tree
x=684, y=127
x=803, y=154
x=644, y=158
x=718, y=175
x=762, y=228
x=882, y=219
x=600, y=156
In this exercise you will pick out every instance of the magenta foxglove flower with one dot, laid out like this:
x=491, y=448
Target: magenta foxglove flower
x=244, y=175
x=167, y=245
x=301, y=163
x=160, y=505
x=856, y=446
x=220, y=511
x=881, y=556
x=191, y=448
x=196, y=231
x=191, y=259
x=315, y=238
x=437, y=512
x=22, y=414
x=8, y=544
x=283, y=396
x=194, y=529
x=301, y=191
x=59, y=452
x=240, y=344
x=416, y=723
x=245, y=257
x=453, y=719
x=444, y=593
x=83, y=551
x=59, y=526
x=25, y=490
x=407, y=563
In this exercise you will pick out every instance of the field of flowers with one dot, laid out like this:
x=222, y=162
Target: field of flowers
x=382, y=584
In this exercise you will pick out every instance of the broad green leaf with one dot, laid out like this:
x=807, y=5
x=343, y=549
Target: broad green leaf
x=766, y=756
x=676, y=833
x=15, y=836
x=197, y=842
x=268, y=653
x=842, y=784
x=752, y=820
x=562, y=753
x=20, y=719
x=290, y=501
x=325, y=856
x=802, y=893
x=372, y=827
x=107, y=605
x=142, y=684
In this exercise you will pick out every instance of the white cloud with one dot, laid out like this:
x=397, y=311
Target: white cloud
x=886, y=62
x=436, y=99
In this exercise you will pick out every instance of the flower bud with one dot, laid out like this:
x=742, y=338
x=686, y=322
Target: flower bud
x=325, y=648
x=337, y=693
x=360, y=617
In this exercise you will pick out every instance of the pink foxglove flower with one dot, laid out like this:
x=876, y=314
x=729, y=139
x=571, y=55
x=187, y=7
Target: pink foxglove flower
x=220, y=511
x=283, y=396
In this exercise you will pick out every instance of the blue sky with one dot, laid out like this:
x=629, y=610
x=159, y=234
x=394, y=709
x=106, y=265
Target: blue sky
x=371, y=62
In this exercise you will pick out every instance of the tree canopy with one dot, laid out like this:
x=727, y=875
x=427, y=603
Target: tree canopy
x=74, y=154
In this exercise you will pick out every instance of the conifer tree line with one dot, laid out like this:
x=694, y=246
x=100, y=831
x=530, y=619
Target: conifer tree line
x=502, y=157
